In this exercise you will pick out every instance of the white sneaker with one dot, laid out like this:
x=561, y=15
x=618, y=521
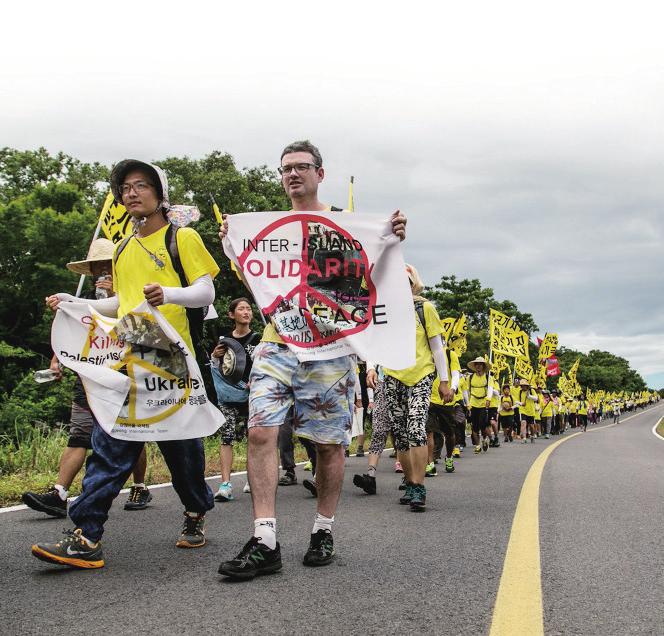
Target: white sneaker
x=225, y=492
x=247, y=488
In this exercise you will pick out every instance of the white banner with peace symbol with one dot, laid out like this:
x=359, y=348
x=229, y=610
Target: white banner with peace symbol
x=142, y=382
x=331, y=283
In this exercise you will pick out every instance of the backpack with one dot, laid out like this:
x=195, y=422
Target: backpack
x=195, y=315
x=419, y=309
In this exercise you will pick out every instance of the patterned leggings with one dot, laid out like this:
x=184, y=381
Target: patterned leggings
x=407, y=409
x=380, y=422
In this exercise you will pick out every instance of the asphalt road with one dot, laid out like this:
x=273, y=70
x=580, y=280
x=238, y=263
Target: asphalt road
x=397, y=572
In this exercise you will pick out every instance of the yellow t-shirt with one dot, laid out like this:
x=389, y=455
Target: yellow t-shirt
x=135, y=269
x=454, y=366
x=547, y=408
x=424, y=364
x=478, y=386
x=528, y=406
x=506, y=404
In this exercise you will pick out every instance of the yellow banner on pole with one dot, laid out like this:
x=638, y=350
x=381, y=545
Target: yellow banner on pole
x=548, y=346
x=115, y=220
x=455, y=331
x=506, y=336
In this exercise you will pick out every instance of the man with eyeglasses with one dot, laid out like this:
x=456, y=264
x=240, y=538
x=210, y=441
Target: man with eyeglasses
x=278, y=382
x=143, y=271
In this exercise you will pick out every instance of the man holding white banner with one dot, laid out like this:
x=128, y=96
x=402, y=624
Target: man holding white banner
x=138, y=368
x=322, y=279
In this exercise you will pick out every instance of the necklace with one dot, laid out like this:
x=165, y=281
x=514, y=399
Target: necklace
x=155, y=259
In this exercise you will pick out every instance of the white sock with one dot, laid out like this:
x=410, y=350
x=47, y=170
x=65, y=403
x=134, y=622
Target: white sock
x=62, y=491
x=322, y=523
x=141, y=485
x=265, y=529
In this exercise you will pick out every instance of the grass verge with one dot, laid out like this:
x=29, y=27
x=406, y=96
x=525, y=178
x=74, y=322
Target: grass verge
x=660, y=427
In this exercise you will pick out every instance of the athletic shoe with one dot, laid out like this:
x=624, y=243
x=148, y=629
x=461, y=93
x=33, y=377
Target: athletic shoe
x=321, y=549
x=310, y=486
x=418, y=499
x=287, y=479
x=430, y=470
x=403, y=484
x=73, y=550
x=359, y=452
x=405, y=500
x=397, y=467
x=253, y=560
x=393, y=454
x=48, y=502
x=449, y=465
x=546, y=436
x=525, y=440
x=346, y=453
x=532, y=439
x=139, y=498
x=485, y=444
x=366, y=483
x=247, y=488
x=308, y=467
x=193, y=532
x=456, y=452
x=494, y=443
x=225, y=492
x=478, y=449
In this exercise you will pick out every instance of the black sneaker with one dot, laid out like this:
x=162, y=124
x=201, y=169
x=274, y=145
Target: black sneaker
x=48, y=502
x=193, y=532
x=287, y=479
x=359, y=452
x=405, y=500
x=418, y=498
x=73, y=550
x=139, y=498
x=253, y=560
x=321, y=549
x=403, y=484
x=366, y=483
x=310, y=486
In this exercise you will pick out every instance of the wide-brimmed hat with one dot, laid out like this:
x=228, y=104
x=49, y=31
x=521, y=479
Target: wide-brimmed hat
x=100, y=250
x=524, y=382
x=234, y=361
x=479, y=360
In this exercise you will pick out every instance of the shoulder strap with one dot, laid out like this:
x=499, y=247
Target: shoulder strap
x=419, y=308
x=171, y=241
x=123, y=244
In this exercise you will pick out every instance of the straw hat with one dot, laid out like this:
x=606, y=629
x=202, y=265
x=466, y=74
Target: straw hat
x=524, y=383
x=479, y=360
x=100, y=250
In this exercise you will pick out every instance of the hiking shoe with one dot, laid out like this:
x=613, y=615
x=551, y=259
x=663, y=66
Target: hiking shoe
x=393, y=454
x=321, y=549
x=308, y=467
x=418, y=500
x=346, y=453
x=48, y=502
x=403, y=484
x=359, y=452
x=456, y=452
x=532, y=439
x=485, y=444
x=247, y=488
x=287, y=479
x=73, y=550
x=310, y=486
x=449, y=465
x=397, y=467
x=494, y=443
x=525, y=440
x=225, y=492
x=366, y=483
x=254, y=559
x=193, y=532
x=478, y=449
x=139, y=498
x=430, y=470
x=546, y=436
x=408, y=495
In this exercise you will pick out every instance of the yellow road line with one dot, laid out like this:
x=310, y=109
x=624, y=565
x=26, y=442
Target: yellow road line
x=518, y=610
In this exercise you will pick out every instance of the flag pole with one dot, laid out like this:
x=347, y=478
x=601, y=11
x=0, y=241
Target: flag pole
x=104, y=209
x=351, y=202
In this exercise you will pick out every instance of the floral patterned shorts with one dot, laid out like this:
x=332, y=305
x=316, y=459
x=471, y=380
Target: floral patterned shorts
x=321, y=393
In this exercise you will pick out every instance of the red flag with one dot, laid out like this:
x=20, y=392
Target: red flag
x=552, y=367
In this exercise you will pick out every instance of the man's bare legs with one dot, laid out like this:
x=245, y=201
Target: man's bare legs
x=263, y=469
x=414, y=463
x=329, y=477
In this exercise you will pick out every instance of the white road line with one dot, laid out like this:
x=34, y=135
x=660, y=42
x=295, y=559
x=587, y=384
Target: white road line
x=654, y=429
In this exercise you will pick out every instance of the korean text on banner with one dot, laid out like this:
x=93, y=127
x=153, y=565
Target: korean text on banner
x=115, y=220
x=332, y=284
x=142, y=382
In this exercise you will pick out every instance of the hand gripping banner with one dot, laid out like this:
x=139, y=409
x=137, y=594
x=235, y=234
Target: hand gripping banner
x=142, y=382
x=332, y=284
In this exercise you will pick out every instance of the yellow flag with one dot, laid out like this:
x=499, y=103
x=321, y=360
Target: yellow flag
x=548, y=346
x=115, y=220
x=455, y=331
x=523, y=369
x=506, y=336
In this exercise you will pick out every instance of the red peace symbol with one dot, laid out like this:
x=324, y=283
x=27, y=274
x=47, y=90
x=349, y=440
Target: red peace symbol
x=305, y=292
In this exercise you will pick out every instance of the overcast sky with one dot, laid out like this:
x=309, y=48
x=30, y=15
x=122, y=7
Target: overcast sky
x=525, y=142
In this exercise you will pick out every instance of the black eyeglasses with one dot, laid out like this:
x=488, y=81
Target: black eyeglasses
x=138, y=187
x=297, y=167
